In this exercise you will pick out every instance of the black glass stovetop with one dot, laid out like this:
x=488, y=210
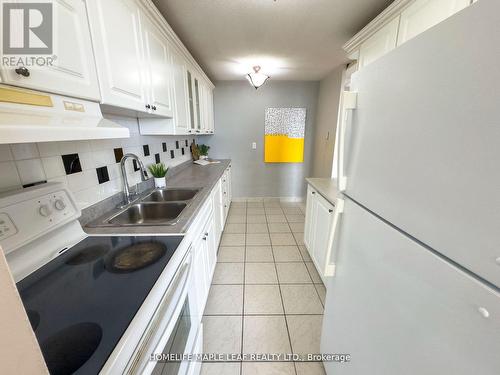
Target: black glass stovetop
x=81, y=303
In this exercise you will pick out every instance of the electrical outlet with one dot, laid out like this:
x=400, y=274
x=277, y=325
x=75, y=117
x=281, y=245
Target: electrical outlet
x=254, y=145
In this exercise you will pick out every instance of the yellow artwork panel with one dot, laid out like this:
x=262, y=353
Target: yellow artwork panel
x=282, y=149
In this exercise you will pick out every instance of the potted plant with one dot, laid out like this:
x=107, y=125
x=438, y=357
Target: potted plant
x=159, y=171
x=203, y=151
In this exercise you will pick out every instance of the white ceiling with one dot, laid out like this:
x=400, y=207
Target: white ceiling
x=290, y=39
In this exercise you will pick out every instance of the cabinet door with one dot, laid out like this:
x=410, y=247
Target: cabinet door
x=199, y=280
x=211, y=123
x=159, y=72
x=197, y=108
x=218, y=215
x=309, y=217
x=116, y=33
x=382, y=42
x=73, y=72
x=191, y=101
x=423, y=14
x=323, y=220
x=181, y=116
x=229, y=189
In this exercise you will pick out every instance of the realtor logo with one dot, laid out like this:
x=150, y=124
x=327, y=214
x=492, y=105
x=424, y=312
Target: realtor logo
x=27, y=29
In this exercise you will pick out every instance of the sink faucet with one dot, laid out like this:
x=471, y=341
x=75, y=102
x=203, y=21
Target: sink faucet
x=126, y=188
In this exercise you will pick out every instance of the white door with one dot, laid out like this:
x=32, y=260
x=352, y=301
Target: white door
x=323, y=219
x=73, y=71
x=181, y=116
x=117, y=38
x=397, y=308
x=159, y=72
x=379, y=44
x=426, y=159
x=423, y=14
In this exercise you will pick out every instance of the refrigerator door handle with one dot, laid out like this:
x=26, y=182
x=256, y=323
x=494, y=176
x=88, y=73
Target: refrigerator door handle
x=349, y=103
x=330, y=256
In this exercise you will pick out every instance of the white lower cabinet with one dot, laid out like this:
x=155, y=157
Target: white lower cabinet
x=218, y=212
x=318, y=231
x=226, y=192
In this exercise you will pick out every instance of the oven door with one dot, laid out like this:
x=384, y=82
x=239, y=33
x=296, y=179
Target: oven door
x=172, y=330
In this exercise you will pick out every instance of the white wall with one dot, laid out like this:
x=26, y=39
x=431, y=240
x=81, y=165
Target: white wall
x=326, y=123
x=239, y=121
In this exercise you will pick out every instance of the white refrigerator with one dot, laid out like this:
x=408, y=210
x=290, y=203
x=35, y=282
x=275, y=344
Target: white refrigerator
x=417, y=247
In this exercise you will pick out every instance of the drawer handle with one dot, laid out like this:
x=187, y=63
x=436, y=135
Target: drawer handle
x=313, y=192
x=330, y=210
x=23, y=71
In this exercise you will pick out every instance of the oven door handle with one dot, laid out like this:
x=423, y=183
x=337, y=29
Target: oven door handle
x=160, y=326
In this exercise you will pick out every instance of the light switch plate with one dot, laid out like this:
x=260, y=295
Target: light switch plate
x=254, y=145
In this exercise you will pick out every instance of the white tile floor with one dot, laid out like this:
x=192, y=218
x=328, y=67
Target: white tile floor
x=266, y=296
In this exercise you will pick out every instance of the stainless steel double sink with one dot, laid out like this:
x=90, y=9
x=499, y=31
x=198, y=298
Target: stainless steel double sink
x=159, y=207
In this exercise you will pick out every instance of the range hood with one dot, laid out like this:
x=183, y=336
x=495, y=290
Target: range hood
x=31, y=116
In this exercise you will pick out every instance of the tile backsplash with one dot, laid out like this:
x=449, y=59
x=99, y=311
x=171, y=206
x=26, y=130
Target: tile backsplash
x=91, y=169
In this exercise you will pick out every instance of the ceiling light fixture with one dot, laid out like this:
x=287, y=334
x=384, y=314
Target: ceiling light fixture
x=256, y=78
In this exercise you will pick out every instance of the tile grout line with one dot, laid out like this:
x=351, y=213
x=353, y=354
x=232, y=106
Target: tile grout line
x=283, y=306
x=244, y=283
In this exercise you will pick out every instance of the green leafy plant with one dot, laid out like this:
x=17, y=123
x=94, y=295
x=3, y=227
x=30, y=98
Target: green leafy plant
x=158, y=170
x=204, y=149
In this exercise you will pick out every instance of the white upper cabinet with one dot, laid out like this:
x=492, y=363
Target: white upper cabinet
x=379, y=44
x=73, y=72
x=402, y=20
x=423, y=14
x=159, y=70
x=116, y=32
x=181, y=115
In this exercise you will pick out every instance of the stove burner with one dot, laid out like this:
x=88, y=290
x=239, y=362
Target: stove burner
x=68, y=350
x=87, y=255
x=34, y=318
x=135, y=257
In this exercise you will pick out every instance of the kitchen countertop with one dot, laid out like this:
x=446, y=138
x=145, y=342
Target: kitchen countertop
x=327, y=187
x=191, y=176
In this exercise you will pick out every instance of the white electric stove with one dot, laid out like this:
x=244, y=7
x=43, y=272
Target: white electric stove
x=100, y=304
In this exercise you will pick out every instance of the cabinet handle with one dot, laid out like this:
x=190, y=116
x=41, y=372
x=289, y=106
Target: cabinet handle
x=197, y=131
x=22, y=71
x=313, y=192
x=206, y=234
x=154, y=108
x=148, y=106
x=189, y=131
x=204, y=238
x=330, y=210
x=330, y=256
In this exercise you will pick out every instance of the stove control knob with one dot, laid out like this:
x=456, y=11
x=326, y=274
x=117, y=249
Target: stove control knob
x=44, y=210
x=59, y=205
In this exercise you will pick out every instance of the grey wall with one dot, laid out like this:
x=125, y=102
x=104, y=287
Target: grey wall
x=326, y=123
x=239, y=121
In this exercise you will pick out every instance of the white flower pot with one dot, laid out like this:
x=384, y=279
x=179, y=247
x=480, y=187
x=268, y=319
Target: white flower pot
x=160, y=182
x=203, y=157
